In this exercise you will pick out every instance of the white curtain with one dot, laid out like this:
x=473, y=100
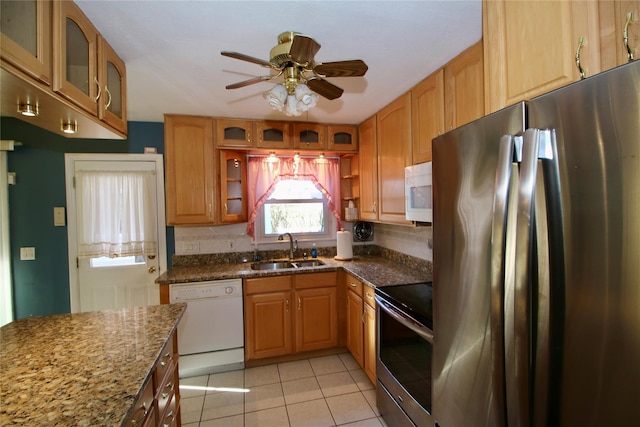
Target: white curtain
x=116, y=213
x=264, y=172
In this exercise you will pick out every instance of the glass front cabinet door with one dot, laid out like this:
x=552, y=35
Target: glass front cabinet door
x=112, y=105
x=273, y=134
x=75, y=65
x=309, y=136
x=25, y=37
x=233, y=187
x=343, y=138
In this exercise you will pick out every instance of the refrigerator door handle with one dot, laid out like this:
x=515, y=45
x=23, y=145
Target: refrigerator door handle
x=509, y=150
x=538, y=144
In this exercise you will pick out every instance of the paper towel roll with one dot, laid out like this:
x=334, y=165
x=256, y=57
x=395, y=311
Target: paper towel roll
x=344, y=246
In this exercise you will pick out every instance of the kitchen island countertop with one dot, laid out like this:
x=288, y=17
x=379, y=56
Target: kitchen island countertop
x=375, y=271
x=80, y=369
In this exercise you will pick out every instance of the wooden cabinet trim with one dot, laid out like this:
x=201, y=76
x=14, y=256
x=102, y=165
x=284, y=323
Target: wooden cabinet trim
x=262, y=285
x=315, y=280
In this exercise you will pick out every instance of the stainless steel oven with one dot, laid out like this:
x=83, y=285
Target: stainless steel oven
x=405, y=340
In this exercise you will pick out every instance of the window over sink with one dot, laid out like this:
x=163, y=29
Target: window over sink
x=293, y=195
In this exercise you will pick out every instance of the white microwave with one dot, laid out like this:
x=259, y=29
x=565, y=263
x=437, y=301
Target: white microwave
x=418, y=192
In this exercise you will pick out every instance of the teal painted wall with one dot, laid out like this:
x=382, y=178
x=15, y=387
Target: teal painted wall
x=41, y=286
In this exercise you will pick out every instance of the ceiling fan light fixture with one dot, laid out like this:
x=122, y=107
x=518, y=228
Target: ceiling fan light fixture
x=305, y=97
x=276, y=97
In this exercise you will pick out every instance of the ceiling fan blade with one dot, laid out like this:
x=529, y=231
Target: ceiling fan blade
x=249, y=82
x=243, y=57
x=303, y=49
x=324, y=88
x=352, y=68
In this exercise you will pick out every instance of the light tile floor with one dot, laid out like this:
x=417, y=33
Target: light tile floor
x=319, y=392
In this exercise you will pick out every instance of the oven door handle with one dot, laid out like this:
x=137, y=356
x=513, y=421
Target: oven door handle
x=405, y=320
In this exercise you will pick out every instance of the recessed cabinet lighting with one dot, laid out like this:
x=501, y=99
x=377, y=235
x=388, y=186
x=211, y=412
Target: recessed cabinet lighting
x=70, y=127
x=28, y=109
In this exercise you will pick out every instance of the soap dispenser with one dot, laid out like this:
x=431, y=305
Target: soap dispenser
x=314, y=251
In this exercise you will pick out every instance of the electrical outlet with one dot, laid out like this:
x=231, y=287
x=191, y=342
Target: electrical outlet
x=27, y=253
x=191, y=247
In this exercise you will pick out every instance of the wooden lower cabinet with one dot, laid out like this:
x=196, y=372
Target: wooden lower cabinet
x=316, y=319
x=268, y=325
x=370, y=342
x=361, y=325
x=290, y=314
x=159, y=403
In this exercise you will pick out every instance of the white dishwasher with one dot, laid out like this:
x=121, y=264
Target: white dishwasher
x=211, y=332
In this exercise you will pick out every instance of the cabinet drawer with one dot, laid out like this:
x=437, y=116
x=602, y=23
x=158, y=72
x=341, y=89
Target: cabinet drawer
x=315, y=280
x=267, y=284
x=165, y=363
x=143, y=412
x=369, y=295
x=354, y=285
x=166, y=393
x=170, y=417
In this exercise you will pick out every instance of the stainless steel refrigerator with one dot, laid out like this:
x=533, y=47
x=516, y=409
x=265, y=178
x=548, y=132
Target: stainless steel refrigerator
x=536, y=261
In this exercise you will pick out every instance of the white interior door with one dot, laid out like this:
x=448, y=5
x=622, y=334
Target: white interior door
x=111, y=283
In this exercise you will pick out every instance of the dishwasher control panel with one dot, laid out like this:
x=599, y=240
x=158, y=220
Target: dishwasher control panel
x=202, y=290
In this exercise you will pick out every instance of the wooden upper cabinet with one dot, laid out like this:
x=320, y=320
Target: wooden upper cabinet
x=427, y=115
x=190, y=170
x=234, y=133
x=112, y=75
x=530, y=47
x=343, y=138
x=273, y=134
x=394, y=154
x=25, y=37
x=464, y=88
x=613, y=18
x=309, y=136
x=233, y=186
x=75, y=45
x=368, y=170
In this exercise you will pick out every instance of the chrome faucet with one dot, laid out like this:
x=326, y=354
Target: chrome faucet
x=291, y=248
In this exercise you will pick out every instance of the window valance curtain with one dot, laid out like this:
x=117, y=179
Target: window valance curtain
x=116, y=213
x=264, y=172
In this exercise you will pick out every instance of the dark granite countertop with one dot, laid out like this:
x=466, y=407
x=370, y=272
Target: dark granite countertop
x=80, y=369
x=373, y=270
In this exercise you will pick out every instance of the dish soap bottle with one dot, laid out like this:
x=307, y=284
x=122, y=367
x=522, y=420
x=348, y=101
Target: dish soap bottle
x=314, y=251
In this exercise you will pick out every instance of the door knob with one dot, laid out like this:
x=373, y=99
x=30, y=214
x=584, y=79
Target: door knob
x=152, y=269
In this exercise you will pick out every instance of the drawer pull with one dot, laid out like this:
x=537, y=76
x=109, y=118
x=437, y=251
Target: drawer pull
x=169, y=386
x=142, y=407
x=166, y=356
x=169, y=415
x=353, y=284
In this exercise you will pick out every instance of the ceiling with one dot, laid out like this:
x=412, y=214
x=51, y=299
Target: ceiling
x=172, y=51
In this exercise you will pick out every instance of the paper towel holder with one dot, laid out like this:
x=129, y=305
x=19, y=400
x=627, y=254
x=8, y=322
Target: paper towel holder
x=362, y=231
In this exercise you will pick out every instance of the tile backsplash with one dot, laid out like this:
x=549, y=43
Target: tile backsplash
x=223, y=239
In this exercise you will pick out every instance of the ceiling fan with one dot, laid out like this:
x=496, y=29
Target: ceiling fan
x=293, y=57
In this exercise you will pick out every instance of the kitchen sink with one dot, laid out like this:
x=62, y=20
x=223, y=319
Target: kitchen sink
x=272, y=265
x=308, y=263
x=280, y=265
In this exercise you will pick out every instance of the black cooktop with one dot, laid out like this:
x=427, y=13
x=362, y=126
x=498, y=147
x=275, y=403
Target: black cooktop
x=415, y=299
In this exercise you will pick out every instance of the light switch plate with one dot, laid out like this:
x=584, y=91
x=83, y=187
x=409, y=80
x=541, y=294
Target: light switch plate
x=27, y=253
x=58, y=216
